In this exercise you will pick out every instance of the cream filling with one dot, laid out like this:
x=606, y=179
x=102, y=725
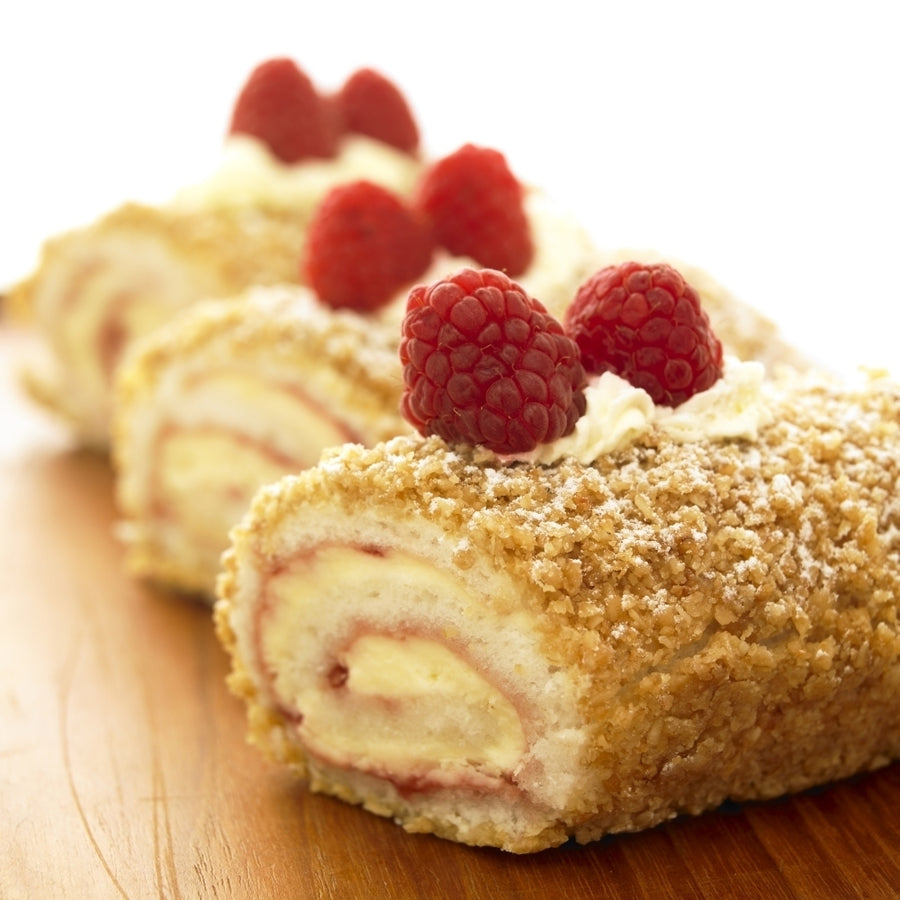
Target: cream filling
x=206, y=482
x=386, y=701
x=414, y=699
x=618, y=414
x=209, y=466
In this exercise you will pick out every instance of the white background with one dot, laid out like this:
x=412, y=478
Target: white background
x=759, y=141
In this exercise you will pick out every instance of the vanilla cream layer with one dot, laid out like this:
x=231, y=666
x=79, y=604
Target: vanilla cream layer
x=276, y=415
x=406, y=699
x=403, y=700
x=204, y=472
x=255, y=402
x=381, y=659
x=209, y=463
x=206, y=480
x=205, y=441
x=225, y=436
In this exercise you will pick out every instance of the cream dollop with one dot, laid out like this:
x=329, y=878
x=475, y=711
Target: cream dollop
x=249, y=175
x=618, y=413
x=734, y=407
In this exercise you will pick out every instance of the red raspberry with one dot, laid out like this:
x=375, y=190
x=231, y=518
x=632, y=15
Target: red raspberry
x=363, y=245
x=279, y=105
x=645, y=323
x=476, y=207
x=372, y=105
x=486, y=364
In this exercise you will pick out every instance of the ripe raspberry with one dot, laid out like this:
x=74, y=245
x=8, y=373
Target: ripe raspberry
x=279, y=105
x=363, y=245
x=486, y=364
x=476, y=208
x=372, y=105
x=645, y=323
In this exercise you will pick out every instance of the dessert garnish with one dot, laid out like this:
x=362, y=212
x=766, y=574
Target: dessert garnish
x=485, y=363
x=476, y=207
x=645, y=324
x=280, y=106
x=372, y=105
x=364, y=243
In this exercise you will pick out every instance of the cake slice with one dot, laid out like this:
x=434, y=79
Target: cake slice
x=514, y=646
x=100, y=288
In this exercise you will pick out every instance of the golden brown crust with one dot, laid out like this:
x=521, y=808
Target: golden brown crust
x=734, y=605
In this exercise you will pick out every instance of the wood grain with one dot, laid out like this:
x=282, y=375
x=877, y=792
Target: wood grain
x=124, y=771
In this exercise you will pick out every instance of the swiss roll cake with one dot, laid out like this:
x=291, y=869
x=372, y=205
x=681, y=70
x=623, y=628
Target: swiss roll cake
x=675, y=586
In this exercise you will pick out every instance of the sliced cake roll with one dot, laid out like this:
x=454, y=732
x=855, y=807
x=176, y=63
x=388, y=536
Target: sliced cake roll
x=657, y=581
x=100, y=288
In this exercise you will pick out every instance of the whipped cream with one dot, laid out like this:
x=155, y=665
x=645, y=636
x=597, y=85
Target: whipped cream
x=734, y=407
x=618, y=413
x=249, y=175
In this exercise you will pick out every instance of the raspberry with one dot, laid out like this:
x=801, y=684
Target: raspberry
x=279, y=105
x=476, y=207
x=484, y=363
x=363, y=245
x=645, y=323
x=372, y=105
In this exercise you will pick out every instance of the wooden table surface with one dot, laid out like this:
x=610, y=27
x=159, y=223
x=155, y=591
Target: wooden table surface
x=124, y=770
